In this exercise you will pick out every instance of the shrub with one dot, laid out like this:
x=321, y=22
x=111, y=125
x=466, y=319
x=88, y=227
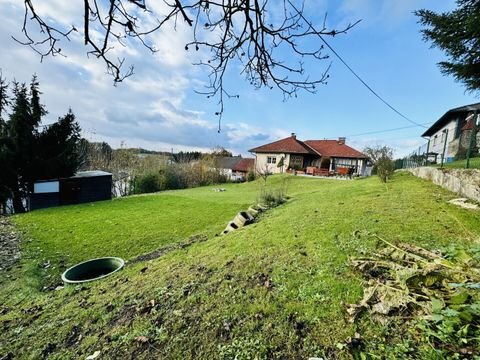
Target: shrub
x=280, y=162
x=385, y=168
x=250, y=176
x=169, y=179
x=146, y=184
x=177, y=176
x=273, y=196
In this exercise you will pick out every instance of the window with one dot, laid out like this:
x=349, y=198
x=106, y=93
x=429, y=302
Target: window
x=271, y=159
x=296, y=160
x=435, y=140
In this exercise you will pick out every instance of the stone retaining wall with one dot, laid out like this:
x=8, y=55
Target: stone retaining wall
x=465, y=182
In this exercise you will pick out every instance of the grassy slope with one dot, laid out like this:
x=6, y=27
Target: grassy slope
x=461, y=164
x=273, y=289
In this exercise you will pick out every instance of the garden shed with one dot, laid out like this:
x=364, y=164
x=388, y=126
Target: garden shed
x=84, y=186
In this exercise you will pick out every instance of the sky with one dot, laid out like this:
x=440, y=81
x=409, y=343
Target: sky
x=159, y=109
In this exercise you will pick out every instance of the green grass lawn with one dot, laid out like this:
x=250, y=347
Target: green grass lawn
x=130, y=226
x=474, y=163
x=274, y=289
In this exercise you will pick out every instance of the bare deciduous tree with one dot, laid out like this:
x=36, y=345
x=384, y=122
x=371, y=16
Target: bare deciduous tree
x=270, y=40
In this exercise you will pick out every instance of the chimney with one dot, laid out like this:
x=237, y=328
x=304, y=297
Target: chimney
x=294, y=135
x=341, y=140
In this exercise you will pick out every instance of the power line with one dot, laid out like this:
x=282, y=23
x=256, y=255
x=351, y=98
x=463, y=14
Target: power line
x=386, y=130
x=353, y=71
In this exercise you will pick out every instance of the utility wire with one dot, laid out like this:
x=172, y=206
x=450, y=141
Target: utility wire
x=386, y=130
x=353, y=71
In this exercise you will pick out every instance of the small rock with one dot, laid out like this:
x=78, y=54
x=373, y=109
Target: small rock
x=95, y=355
x=142, y=339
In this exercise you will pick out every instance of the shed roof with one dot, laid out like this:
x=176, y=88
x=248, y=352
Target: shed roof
x=288, y=145
x=334, y=148
x=91, y=173
x=447, y=117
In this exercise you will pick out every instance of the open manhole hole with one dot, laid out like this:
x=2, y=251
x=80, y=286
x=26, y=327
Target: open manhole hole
x=92, y=270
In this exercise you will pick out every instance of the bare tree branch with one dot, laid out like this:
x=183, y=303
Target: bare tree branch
x=272, y=50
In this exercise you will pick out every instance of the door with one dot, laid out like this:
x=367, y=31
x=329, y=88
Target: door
x=69, y=192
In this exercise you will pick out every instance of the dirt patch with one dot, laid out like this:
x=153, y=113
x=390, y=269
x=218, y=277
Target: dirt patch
x=9, y=244
x=166, y=249
x=74, y=337
x=125, y=316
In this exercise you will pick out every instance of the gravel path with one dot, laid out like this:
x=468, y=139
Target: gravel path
x=9, y=244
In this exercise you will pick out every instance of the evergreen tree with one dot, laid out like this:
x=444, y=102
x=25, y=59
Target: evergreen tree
x=58, y=152
x=4, y=100
x=27, y=155
x=457, y=33
x=20, y=148
x=5, y=176
x=37, y=109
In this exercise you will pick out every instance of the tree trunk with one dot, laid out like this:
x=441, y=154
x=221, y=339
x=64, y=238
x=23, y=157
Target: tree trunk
x=17, y=203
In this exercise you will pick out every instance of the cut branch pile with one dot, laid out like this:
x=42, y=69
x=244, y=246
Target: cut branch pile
x=410, y=282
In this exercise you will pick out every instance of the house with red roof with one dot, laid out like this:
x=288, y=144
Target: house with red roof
x=242, y=167
x=316, y=157
x=235, y=168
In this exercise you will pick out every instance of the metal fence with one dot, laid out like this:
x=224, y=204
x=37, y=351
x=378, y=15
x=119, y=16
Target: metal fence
x=465, y=153
x=415, y=159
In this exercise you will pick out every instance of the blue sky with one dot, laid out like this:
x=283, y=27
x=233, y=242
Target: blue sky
x=158, y=108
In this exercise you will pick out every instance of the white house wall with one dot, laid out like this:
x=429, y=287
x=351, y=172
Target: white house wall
x=437, y=141
x=262, y=165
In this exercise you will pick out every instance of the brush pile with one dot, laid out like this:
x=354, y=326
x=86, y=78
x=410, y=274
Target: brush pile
x=441, y=295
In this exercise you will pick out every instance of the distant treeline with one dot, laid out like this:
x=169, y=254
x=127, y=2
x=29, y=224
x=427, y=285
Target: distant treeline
x=138, y=170
x=181, y=156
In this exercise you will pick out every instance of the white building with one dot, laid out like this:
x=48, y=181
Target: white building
x=452, y=132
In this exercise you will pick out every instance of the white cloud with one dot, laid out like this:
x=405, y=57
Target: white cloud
x=145, y=109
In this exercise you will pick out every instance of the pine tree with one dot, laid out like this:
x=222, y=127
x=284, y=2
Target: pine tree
x=4, y=145
x=27, y=155
x=4, y=100
x=457, y=33
x=37, y=110
x=58, y=148
x=20, y=131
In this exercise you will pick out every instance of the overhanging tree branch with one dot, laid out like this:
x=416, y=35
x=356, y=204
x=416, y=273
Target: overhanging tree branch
x=272, y=50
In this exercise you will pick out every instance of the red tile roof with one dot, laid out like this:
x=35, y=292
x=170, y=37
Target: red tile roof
x=333, y=148
x=288, y=145
x=244, y=165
